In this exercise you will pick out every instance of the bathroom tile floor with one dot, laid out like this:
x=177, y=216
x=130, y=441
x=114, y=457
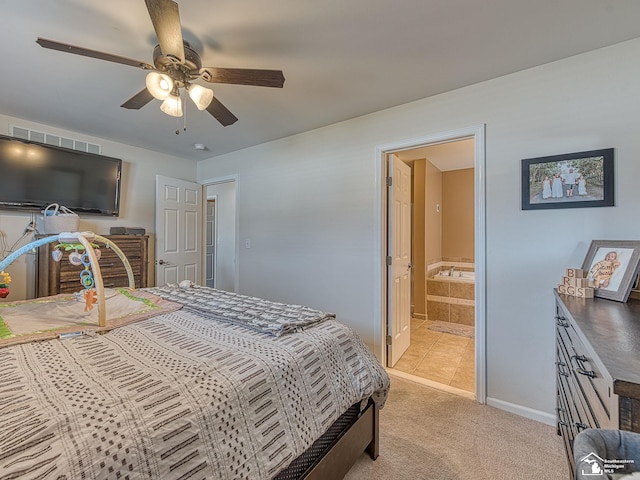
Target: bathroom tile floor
x=440, y=357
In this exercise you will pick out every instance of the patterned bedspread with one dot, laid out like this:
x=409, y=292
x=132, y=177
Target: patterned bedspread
x=177, y=396
x=263, y=315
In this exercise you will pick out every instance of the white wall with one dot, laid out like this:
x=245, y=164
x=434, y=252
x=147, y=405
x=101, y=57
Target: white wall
x=137, y=204
x=308, y=203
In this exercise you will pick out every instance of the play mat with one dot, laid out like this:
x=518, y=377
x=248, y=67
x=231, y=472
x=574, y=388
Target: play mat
x=74, y=314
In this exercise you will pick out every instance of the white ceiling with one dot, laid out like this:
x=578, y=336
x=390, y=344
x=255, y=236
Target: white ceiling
x=341, y=59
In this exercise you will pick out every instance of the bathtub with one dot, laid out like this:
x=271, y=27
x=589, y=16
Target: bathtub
x=451, y=298
x=457, y=276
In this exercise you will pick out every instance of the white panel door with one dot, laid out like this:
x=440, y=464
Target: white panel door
x=399, y=269
x=178, y=231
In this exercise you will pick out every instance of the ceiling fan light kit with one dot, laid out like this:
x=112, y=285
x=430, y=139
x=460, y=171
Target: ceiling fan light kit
x=162, y=87
x=176, y=65
x=200, y=95
x=172, y=105
x=159, y=85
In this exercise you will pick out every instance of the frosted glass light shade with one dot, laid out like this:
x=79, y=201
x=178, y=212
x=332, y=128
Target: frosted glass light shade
x=200, y=95
x=172, y=105
x=159, y=85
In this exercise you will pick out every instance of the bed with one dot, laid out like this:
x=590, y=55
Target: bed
x=189, y=383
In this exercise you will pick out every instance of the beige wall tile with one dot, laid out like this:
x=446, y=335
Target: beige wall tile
x=463, y=290
x=437, y=287
x=438, y=311
x=463, y=314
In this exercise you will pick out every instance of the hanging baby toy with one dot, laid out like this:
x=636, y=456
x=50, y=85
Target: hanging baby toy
x=69, y=241
x=86, y=275
x=5, y=280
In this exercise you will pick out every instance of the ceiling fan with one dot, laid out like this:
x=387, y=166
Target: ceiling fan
x=176, y=66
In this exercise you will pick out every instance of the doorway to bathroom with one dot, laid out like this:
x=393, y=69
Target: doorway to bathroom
x=446, y=327
x=220, y=229
x=210, y=237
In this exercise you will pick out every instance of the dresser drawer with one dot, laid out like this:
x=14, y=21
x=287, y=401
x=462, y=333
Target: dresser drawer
x=579, y=413
x=71, y=274
x=63, y=277
x=594, y=385
x=564, y=428
x=107, y=282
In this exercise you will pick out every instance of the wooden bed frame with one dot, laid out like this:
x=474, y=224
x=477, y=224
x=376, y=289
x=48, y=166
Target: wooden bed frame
x=361, y=436
x=333, y=454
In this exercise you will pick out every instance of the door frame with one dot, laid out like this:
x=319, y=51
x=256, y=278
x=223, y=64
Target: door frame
x=215, y=181
x=477, y=132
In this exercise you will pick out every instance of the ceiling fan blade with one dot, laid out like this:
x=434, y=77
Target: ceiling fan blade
x=221, y=113
x=139, y=100
x=65, y=47
x=243, y=76
x=165, y=17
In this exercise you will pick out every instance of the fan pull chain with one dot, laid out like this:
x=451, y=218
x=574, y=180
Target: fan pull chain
x=184, y=108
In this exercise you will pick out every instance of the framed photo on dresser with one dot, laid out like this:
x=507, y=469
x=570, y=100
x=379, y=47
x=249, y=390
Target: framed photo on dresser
x=612, y=267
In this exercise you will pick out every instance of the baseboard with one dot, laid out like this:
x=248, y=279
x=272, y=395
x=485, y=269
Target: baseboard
x=526, y=412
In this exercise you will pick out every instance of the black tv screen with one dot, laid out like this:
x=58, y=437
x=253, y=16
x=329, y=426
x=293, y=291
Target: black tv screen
x=34, y=175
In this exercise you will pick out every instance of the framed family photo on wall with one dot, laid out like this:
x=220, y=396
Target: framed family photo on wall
x=612, y=267
x=572, y=180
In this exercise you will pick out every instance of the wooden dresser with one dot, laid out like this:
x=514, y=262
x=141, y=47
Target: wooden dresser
x=597, y=366
x=62, y=277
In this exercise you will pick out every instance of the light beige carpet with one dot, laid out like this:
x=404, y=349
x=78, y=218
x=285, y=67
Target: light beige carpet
x=429, y=434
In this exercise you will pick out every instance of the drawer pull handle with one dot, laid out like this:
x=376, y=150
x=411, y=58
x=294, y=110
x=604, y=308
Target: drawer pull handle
x=107, y=265
x=581, y=370
x=581, y=426
x=108, y=285
x=562, y=321
x=587, y=373
x=562, y=423
x=562, y=371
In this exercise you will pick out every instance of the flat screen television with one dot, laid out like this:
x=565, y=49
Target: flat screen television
x=34, y=175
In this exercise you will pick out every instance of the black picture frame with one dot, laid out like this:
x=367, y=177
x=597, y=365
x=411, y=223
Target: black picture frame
x=619, y=274
x=595, y=190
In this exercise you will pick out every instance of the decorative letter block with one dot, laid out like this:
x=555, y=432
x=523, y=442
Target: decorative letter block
x=584, y=292
x=575, y=281
x=576, y=284
x=575, y=272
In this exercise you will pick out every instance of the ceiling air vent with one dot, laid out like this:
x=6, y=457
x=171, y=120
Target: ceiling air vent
x=56, y=140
